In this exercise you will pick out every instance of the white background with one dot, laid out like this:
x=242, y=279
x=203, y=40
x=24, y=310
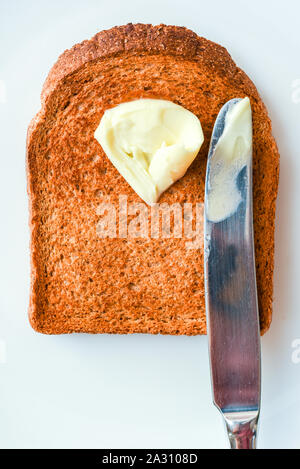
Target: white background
x=139, y=391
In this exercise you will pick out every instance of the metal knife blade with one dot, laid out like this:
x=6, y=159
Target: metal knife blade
x=231, y=302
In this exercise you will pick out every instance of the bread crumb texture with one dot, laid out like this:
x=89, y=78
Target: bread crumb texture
x=82, y=283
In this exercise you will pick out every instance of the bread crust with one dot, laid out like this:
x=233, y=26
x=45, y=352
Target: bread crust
x=140, y=41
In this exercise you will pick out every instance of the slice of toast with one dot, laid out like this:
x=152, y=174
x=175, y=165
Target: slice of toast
x=83, y=282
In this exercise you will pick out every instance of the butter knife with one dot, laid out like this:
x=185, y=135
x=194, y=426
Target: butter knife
x=230, y=280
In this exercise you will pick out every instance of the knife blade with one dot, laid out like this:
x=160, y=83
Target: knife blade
x=230, y=277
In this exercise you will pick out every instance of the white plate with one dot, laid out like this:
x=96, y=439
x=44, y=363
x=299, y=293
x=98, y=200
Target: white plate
x=140, y=391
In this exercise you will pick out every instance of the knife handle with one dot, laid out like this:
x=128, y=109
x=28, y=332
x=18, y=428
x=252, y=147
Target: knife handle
x=242, y=429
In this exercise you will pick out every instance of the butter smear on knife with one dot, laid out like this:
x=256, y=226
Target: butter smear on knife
x=233, y=151
x=151, y=142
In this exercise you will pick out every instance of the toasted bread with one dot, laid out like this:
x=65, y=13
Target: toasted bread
x=84, y=283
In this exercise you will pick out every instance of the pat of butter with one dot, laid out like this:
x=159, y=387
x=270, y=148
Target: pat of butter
x=233, y=151
x=151, y=142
